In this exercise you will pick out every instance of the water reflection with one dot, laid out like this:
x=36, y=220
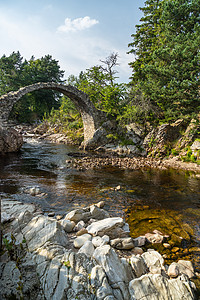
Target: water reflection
x=43, y=164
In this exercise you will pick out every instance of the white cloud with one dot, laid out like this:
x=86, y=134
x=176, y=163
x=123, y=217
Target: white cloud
x=75, y=53
x=77, y=24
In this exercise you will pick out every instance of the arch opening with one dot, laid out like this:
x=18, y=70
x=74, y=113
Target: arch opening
x=92, y=118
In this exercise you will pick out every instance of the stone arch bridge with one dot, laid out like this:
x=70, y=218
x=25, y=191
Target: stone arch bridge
x=92, y=118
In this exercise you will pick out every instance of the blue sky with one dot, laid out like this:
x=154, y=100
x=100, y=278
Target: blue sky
x=77, y=33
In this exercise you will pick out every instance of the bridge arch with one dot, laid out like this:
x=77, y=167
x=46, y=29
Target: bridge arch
x=92, y=117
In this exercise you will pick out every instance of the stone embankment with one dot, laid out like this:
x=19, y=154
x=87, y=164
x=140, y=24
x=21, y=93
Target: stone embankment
x=84, y=255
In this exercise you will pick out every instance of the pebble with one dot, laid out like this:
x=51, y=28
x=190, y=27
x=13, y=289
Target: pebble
x=166, y=245
x=137, y=250
x=175, y=249
x=100, y=204
x=51, y=214
x=81, y=232
x=59, y=217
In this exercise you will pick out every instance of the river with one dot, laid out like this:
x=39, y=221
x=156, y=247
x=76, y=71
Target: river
x=148, y=199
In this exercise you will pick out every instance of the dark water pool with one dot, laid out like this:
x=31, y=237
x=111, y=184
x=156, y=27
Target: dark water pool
x=155, y=198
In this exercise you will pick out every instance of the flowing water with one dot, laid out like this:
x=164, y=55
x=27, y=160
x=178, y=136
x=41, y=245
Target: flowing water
x=148, y=199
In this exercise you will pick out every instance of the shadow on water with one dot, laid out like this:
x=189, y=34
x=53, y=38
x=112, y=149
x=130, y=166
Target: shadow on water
x=172, y=197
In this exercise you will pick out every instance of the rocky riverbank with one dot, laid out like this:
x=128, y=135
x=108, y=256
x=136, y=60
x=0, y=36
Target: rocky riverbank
x=174, y=146
x=85, y=254
x=133, y=163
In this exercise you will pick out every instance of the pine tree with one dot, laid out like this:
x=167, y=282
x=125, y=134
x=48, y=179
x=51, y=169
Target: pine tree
x=173, y=73
x=145, y=39
x=166, y=69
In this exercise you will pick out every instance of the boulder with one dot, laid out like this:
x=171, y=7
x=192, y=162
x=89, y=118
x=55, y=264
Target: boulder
x=78, y=215
x=10, y=140
x=157, y=287
x=173, y=270
x=5, y=217
x=98, y=213
x=153, y=259
x=87, y=249
x=138, y=265
x=100, y=283
x=154, y=238
x=80, y=225
x=10, y=275
x=186, y=267
x=105, y=226
x=67, y=225
x=122, y=243
x=42, y=229
x=118, y=273
x=139, y=241
x=80, y=240
x=97, y=241
x=99, y=138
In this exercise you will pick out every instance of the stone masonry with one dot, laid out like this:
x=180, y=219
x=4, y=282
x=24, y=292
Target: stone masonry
x=92, y=118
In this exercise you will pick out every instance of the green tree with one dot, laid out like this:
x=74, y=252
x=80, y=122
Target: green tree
x=166, y=69
x=145, y=40
x=16, y=72
x=11, y=69
x=99, y=82
x=173, y=73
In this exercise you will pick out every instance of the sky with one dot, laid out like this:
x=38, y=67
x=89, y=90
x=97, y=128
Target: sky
x=77, y=33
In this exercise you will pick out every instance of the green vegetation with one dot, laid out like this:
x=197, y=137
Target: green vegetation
x=164, y=84
x=166, y=69
x=15, y=72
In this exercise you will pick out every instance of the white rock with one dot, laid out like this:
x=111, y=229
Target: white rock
x=87, y=249
x=43, y=229
x=157, y=287
x=138, y=265
x=122, y=243
x=34, y=191
x=97, y=241
x=104, y=226
x=154, y=238
x=173, y=270
x=100, y=282
x=153, y=258
x=100, y=204
x=100, y=241
x=186, y=267
x=80, y=240
x=80, y=225
x=78, y=215
x=117, y=273
x=105, y=239
x=67, y=225
x=5, y=217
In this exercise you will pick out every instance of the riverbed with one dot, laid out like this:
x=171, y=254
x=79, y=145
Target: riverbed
x=166, y=200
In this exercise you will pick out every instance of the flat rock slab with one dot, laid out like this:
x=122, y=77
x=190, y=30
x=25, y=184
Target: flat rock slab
x=105, y=226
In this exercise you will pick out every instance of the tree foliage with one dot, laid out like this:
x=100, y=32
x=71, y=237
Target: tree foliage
x=167, y=44
x=99, y=82
x=15, y=72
